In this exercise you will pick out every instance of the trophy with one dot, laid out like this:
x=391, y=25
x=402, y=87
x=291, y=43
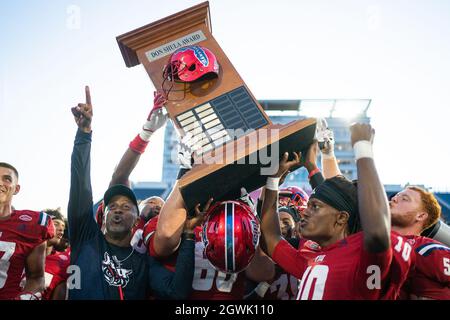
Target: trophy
x=238, y=143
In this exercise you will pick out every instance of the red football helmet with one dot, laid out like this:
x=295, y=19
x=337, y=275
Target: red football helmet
x=99, y=214
x=230, y=235
x=294, y=196
x=191, y=63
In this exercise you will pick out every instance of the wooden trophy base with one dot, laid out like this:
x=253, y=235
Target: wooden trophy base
x=238, y=163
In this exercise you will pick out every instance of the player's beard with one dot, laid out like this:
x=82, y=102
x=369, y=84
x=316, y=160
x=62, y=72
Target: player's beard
x=402, y=219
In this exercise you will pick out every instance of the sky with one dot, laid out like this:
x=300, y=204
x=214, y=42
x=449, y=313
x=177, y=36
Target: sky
x=395, y=52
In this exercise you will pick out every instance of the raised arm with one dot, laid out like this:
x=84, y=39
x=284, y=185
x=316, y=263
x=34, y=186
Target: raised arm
x=155, y=120
x=270, y=223
x=178, y=285
x=81, y=222
x=174, y=213
x=170, y=224
x=315, y=177
x=372, y=200
x=330, y=166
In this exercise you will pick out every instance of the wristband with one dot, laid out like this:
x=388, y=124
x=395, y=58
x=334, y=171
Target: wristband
x=316, y=170
x=363, y=149
x=272, y=183
x=316, y=180
x=146, y=133
x=188, y=236
x=138, y=144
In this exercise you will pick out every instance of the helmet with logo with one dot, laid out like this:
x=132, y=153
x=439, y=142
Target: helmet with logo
x=294, y=196
x=230, y=235
x=191, y=63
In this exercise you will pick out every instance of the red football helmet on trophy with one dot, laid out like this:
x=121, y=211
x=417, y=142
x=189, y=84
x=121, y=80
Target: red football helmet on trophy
x=230, y=235
x=294, y=196
x=191, y=63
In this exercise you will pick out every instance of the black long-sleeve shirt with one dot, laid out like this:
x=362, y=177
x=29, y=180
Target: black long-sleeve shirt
x=103, y=270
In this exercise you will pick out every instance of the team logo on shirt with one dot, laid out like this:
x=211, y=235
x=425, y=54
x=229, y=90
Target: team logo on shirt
x=114, y=275
x=25, y=218
x=63, y=257
x=320, y=258
x=312, y=245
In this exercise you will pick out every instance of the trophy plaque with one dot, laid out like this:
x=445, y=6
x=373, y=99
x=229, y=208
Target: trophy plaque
x=221, y=113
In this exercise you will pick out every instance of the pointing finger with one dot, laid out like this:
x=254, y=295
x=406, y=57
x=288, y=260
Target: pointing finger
x=88, y=95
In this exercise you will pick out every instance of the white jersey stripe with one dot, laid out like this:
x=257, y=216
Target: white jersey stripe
x=432, y=246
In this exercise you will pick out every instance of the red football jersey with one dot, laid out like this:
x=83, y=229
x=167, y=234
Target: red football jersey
x=208, y=283
x=137, y=241
x=56, y=265
x=283, y=287
x=346, y=271
x=430, y=277
x=19, y=235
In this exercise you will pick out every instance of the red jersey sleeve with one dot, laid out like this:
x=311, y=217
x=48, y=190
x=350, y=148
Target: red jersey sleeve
x=289, y=259
x=385, y=271
x=433, y=260
x=431, y=277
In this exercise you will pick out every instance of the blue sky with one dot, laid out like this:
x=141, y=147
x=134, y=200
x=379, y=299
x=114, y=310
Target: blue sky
x=394, y=52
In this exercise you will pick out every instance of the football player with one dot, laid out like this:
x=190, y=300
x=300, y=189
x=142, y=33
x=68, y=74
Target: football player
x=209, y=283
x=296, y=198
x=56, y=262
x=350, y=264
x=413, y=210
x=23, y=236
x=283, y=286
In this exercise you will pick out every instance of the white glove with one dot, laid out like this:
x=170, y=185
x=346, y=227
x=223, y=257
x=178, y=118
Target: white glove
x=325, y=137
x=245, y=197
x=156, y=119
